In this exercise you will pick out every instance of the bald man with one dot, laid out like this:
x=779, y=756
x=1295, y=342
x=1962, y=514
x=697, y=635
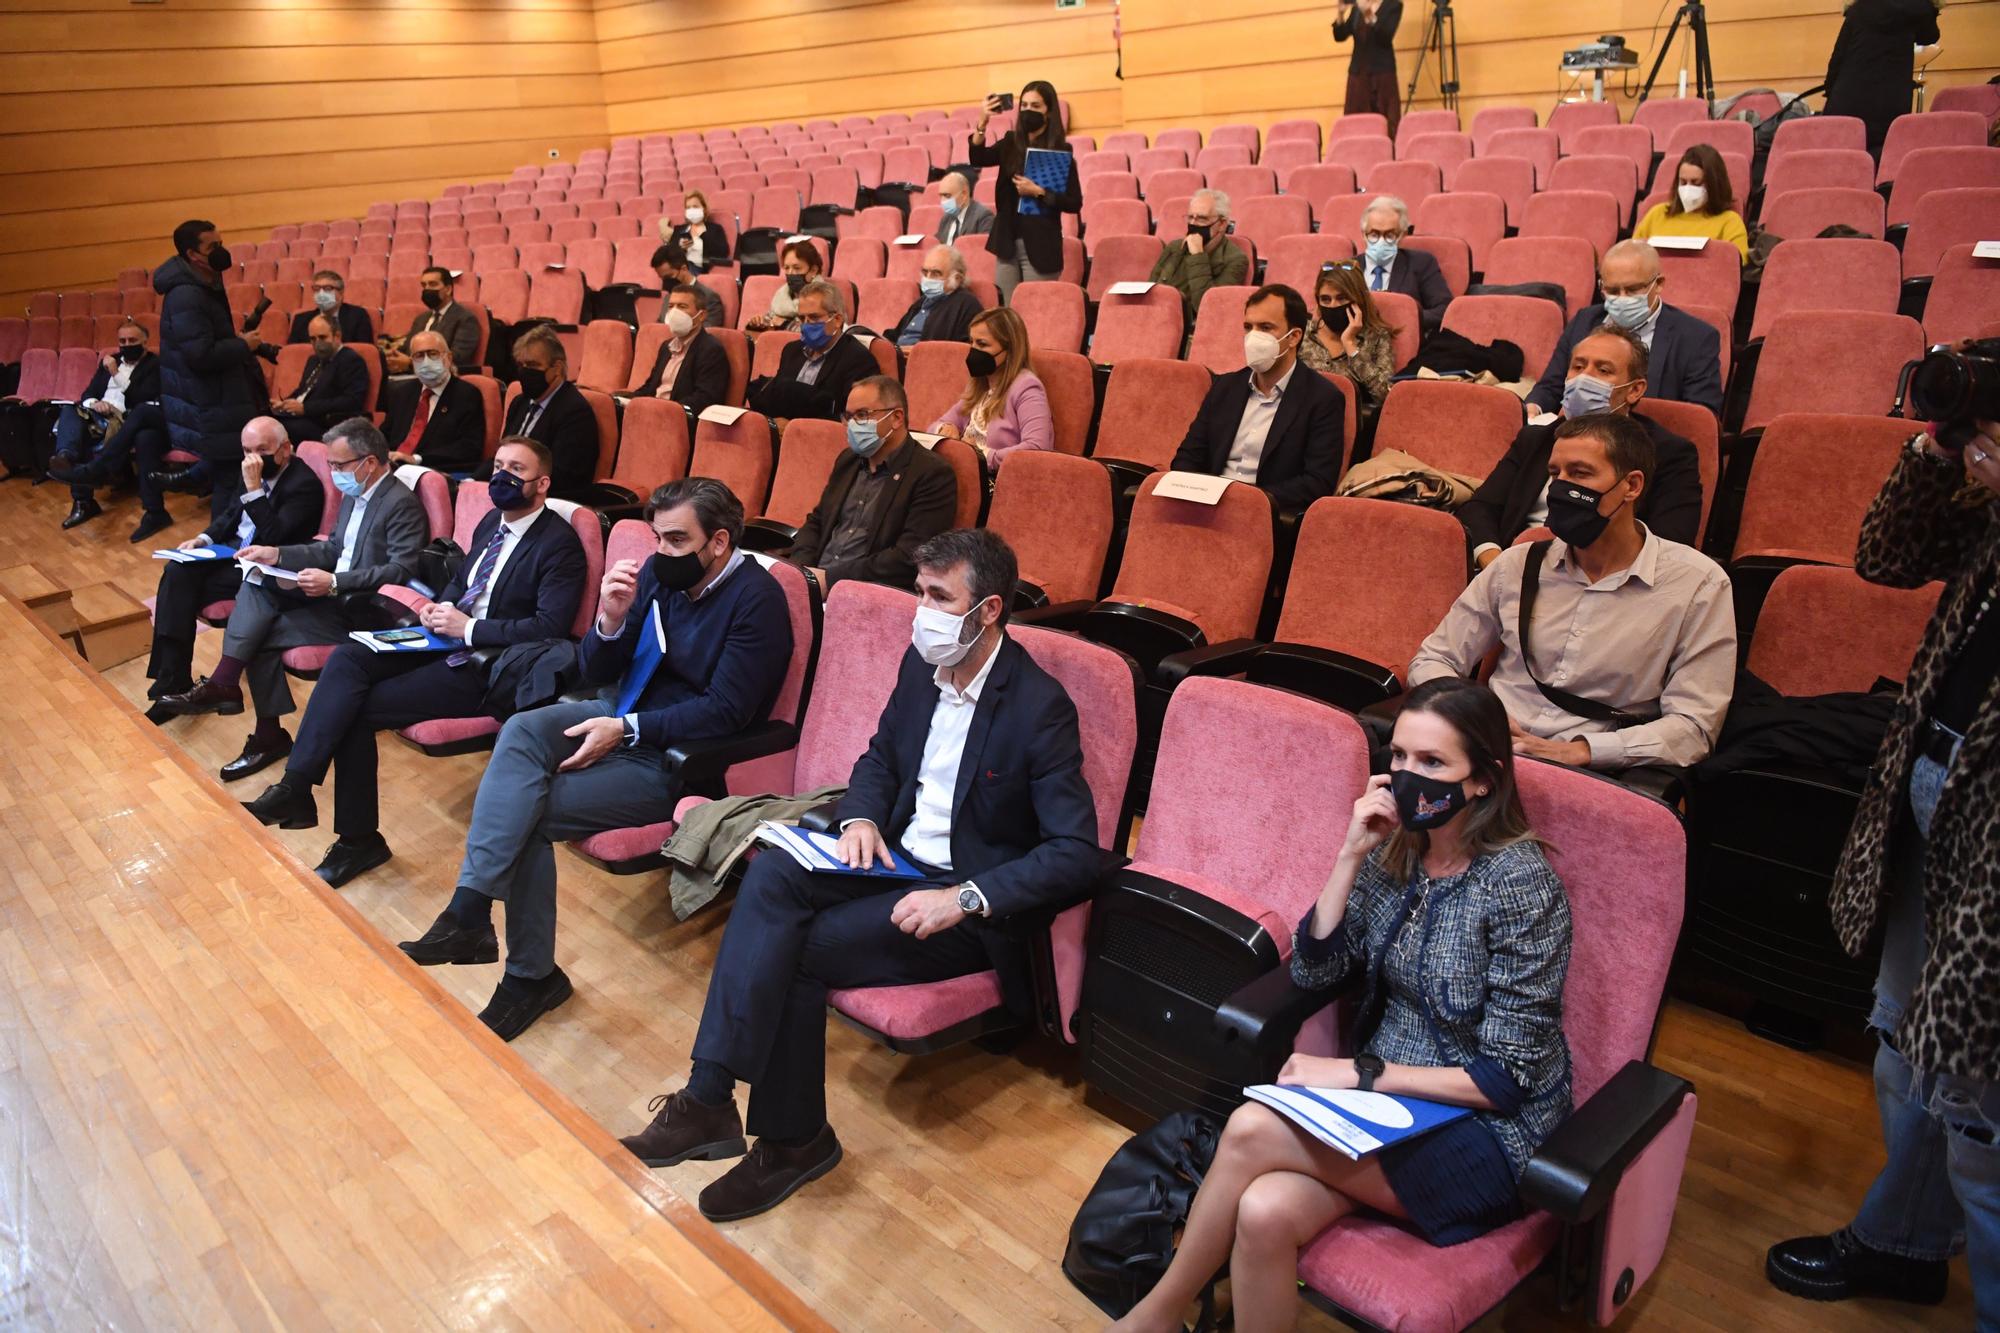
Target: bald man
x=963, y=215
x=280, y=505
x=435, y=418
x=1684, y=353
x=332, y=387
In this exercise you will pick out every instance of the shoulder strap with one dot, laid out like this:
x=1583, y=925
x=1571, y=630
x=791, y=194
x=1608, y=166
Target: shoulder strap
x=1531, y=583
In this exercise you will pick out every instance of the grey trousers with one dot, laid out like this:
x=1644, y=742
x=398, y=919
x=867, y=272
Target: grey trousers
x=263, y=624
x=524, y=806
x=1010, y=271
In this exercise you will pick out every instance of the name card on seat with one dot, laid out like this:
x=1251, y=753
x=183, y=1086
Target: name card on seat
x=1677, y=242
x=1194, y=487
x=1128, y=289
x=1986, y=249
x=925, y=438
x=914, y=238
x=722, y=414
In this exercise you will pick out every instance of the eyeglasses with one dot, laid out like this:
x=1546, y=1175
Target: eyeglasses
x=1381, y=235
x=1630, y=290
x=346, y=464
x=323, y=287
x=868, y=413
x=1335, y=265
x=814, y=319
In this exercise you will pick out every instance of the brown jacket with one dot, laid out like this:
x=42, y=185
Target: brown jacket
x=1928, y=523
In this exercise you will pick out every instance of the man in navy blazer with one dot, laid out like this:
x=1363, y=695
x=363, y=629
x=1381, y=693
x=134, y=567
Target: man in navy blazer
x=1684, y=354
x=975, y=775
x=1387, y=265
x=521, y=582
x=691, y=646
x=1278, y=427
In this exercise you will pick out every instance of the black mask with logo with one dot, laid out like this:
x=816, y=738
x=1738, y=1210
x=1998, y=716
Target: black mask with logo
x=1425, y=803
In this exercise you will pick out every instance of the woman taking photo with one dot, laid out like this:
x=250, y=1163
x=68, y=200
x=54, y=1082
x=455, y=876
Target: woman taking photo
x=1443, y=908
x=1701, y=204
x=1026, y=246
x=1869, y=73
x=1371, y=73
x=1005, y=407
x=798, y=264
x=1348, y=335
x=704, y=241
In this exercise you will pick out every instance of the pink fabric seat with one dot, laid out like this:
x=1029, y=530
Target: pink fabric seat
x=908, y=1015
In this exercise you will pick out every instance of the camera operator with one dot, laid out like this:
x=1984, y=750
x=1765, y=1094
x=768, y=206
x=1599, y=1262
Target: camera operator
x=1922, y=870
x=1371, y=74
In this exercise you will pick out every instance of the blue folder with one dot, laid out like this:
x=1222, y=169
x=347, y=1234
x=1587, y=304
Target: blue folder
x=1049, y=169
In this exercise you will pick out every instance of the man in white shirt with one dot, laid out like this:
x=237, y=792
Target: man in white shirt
x=975, y=780
x=521, y=582
x=125, y=384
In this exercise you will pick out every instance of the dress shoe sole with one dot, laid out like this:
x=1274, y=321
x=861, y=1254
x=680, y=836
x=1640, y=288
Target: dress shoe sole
x=719, y=1151
x=805, y=1179
x=555, y=999
x=360, y=868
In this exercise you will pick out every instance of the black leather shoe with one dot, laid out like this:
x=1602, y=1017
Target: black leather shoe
x=150, y=522
x=771, y=1174
x=1839, y=1267
x=159, y=713
x=205, y=696
x=63, y=468
x=448, y=942
x=258, y=755
x=176, y=479
x=81, y=512
x=517, y=1002
x=350, y=857
x=285, y=805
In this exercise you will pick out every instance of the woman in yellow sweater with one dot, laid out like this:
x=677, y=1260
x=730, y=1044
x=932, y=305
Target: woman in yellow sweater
x=1701, y=204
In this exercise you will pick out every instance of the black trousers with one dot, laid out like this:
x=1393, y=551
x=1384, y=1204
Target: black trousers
x=793, y=936
x=359, y=693
x=184, y=590
x=1374, y=91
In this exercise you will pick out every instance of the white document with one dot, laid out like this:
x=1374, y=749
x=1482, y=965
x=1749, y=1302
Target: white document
x=270, y=571
x=722, y=414
x=1194, y=487
x=1128, y=288
x=925, y=438
x=1677, y=242
x=1986, y=249
x=914, y=238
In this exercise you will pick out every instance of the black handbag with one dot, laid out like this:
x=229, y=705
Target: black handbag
x=1124, y=1235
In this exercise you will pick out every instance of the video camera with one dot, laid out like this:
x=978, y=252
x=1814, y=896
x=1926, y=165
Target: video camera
x=1955, y=386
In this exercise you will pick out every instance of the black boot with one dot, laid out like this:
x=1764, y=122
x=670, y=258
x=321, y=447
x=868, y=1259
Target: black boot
x=81, y=512
x=1839, y=1267
x=150, y=522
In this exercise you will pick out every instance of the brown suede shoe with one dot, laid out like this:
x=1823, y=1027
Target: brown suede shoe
x=685, y=1130
x=770, y=1175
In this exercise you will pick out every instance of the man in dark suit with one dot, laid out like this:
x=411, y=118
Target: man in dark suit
x=329, y=291
x=816, y=372
x=1607, y=373
x=692, y=369
x=670, y=265
x=126, y=382
x=692, y=645
x=551, y=409
x=435, y=419
x=1388, y=266
x=1273, y=424
x=944, y=308
x=281, y=504
x=376, y=536
x=1685, y=352
x=963, y=215
x=521, y=583
x=442, y=315
x=886, y=496
x=332, y=387
x=975, y=775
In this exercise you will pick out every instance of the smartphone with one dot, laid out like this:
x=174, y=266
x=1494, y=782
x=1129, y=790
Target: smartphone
x=1006, y=100
x=401, y=636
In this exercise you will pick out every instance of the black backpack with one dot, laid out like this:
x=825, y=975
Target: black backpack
x=1125, y=1232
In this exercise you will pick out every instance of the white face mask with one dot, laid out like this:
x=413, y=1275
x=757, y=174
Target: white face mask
x=1693, y=198
x=1262, y=350
x=938, y=636
x=679, y=322
x=694, y=215
x=430, y=369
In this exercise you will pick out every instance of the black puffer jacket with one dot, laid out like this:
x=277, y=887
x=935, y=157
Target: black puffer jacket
x=210, y=385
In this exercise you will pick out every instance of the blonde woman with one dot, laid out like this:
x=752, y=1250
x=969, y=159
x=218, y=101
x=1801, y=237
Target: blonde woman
x=704, y=241
x=1005, y=407
x=1347, y=335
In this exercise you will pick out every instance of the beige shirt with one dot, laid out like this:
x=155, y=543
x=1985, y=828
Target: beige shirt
x=1657, y=638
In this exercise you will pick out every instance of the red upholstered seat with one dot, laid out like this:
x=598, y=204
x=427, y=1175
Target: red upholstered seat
x=1530, y=323
x=1149, y=403
x=1461, y=428
x=1834, y=274
x=1811, y=482
x=1930, y=129
x=1217, y=344
x=1511, y=178
x=1797, y=213
x=1489, y=121
x=1055, y=511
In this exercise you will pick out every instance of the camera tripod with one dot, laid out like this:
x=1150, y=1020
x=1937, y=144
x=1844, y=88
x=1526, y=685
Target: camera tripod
x=1441, y=43
x=1695, y=15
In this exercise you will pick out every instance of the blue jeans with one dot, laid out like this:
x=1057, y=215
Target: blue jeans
x=1939, y=1191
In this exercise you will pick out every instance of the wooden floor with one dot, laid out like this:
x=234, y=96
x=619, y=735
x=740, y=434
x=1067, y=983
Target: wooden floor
x=166, y=998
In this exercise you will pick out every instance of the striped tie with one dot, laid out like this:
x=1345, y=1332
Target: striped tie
x=483, y=574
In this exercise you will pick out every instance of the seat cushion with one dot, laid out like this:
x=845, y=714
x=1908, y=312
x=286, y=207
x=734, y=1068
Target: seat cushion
x=625, y=844
x=1395, y=1280
x=449, y=730
x=1263, y=913
x=908, y=1013
x=311, y=657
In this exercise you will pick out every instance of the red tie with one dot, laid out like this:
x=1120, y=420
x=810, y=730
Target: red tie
x=417, y=424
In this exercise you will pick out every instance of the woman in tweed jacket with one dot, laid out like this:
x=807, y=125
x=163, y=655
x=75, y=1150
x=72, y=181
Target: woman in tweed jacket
x=1921, y=872
x=1444, y=909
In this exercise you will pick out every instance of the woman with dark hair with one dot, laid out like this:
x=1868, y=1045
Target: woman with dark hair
x=1371, y=73
x=1348, y=335
x=1869, y=73
x=1026, y=243
x=1702, y=204
x=1443, y=907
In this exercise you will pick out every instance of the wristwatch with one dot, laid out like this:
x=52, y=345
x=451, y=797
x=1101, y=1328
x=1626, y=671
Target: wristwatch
x=1369, y=1068
x=971, y=901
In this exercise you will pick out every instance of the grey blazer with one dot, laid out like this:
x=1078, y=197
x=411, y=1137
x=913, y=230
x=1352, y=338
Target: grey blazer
x=976, y=221
x=459, y=328
x=1464, y=971
x=393, y=530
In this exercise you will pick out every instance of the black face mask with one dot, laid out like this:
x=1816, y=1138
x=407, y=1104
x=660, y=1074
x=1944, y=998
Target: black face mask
x=218, y=259
x=131, y=354
x=534, y=383
x=980, y=363
x=678, y=572
x=269, y=467
x=795, y=283
x=1030, y=122
x=432, y=300
x=1424, y=803
x=1196, y=229
x=1573, y=514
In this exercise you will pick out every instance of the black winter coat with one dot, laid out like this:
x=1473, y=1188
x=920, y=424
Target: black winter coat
x=210, y=384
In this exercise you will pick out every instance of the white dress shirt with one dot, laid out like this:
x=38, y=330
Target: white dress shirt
x=352, y=533
x=1254, y=430
x=114, y=388
x=515, y=529
x=928, y=835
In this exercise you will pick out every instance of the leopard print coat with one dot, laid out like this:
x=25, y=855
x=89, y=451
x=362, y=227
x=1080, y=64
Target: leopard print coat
x=1930, y=522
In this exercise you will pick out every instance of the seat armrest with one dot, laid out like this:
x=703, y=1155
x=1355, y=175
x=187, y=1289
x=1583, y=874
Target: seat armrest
x=1577, y=1169
x=703, y=763
x=1056, y=615
x=1333, y=677
x=1033, y=922
x=766, y=535
x=820, y=818
x=1215, y=659
x=1265, y=1016
x=1664, y=784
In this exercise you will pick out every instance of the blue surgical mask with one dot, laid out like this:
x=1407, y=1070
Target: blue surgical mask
x=932, y=288
x=949, y=204
x=429, y=369
x=1627, y=312
x=1585, y=394
x=815, y=337
x=1381, y=254
x=326, y=300
x=347, y=483
x=864, y=437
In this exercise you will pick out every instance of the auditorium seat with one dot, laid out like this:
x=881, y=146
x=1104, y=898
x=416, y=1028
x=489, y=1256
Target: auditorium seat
x=1663, y=115
x=1930, y=129
x=1360, y=152
x=1567, y=261
x=1511, y=178
x=1964, y=297
x=934, y=378
x=882, y=301
x=806, y=457
x=1070, y=383
x=739, y=455
x=1530, y=323
x=1572, y=120
x=1589, y=214
x=1357, y=125
x=969, y=476
x=1285, y=131
x=1710, y=276
x=1822, y=275
x=1412, y=182
x=1870, y=349
x=1453, y=426
x=553, y=293
x=1416, y=124
x=1698, y=426
x=1265, y=218
x=1809, y=133
x=1296, y=260
x=505, y=293
x=1288, y=157
x=1321, y=182
x=1819, y=169
x=606, y=364
x=1942, y=219
x=1105, y=218
x=491, y=398
x=1148, y=325
x=1448, y=151
x=1243, y=182
x=1489, y=121
x=1802, y=213
x=1149, y=403
x=1406, y=318
x=1479, y=220
x=1814, y=475
x=1055, y=511
x=1217, y=344
x=1169, y=184
x=1540, y=147
x=1609, y=173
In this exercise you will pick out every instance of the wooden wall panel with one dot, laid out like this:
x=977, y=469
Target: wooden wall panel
x=116, y=123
